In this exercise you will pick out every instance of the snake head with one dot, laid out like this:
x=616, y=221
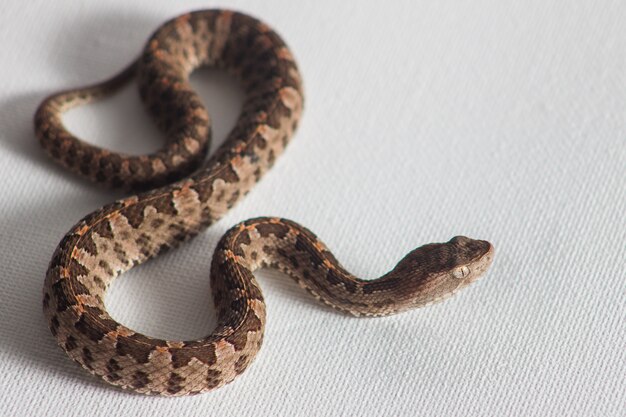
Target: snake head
x=471, y=259
x=436, y=271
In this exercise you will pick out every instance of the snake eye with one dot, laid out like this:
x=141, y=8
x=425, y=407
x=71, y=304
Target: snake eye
x=461, y=272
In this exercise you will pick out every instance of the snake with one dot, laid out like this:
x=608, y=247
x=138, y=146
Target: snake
x=177, y=191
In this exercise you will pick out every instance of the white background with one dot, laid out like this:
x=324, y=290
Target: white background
x=500, y=120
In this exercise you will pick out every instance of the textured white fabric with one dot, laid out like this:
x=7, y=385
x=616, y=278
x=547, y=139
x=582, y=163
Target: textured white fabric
x=501, y=120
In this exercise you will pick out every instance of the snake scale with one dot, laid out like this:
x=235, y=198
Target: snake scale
x=179, y=194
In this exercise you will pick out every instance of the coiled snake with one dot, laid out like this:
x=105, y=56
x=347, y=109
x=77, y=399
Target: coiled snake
x=120, y=235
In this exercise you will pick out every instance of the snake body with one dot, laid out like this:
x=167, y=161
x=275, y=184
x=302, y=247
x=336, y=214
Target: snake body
x=120, y=235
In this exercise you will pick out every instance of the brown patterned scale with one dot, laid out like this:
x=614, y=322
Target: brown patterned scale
x=113, y=239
